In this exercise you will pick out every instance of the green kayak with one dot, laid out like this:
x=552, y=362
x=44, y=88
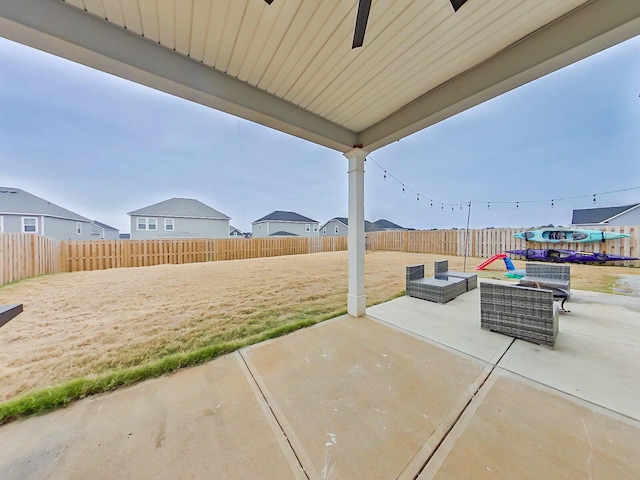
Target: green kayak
x=555, y=235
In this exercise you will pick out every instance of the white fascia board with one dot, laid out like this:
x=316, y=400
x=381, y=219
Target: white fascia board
x=589, y=29
x=68, y=32
x=607, y=220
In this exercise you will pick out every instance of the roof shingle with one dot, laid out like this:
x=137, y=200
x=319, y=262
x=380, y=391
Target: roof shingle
x=282, y=216
x=18, y=202
x=180, y=207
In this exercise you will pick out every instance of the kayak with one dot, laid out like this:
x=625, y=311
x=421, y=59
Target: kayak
x=555, y=235
x=570, y=256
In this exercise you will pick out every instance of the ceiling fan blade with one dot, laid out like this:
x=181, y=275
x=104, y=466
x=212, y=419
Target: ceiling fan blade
x=456, y=4
x=361, y=23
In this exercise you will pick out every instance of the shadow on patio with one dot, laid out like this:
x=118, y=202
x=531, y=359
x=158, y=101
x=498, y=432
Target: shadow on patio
x=413, y=390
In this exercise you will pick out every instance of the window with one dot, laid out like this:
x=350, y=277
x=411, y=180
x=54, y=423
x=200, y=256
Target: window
x=1, y=223
x=259, y=226
x=324, y=231
x=315, y=228
x=307, y=228
x=29, y=225
x=336, y=229
x=147, y=223
x=78, y=228
x=168, y=223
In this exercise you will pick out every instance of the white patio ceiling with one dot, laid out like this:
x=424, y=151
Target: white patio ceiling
x=290, y=65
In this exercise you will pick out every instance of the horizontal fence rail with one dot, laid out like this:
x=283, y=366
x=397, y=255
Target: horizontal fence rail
x=27, y=255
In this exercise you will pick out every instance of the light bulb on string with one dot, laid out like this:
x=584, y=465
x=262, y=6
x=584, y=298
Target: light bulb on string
x=403, y=188
x=552, y=205
x=517, y=204
x=594, y=198
x=488, y=205
x=431, y=203
x=418, y=199
x=385, y=176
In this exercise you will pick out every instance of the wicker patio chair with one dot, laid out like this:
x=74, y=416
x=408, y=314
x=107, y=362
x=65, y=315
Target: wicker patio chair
x=526, y=313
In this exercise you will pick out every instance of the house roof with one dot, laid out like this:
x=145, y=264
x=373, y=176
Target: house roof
x=368, y=226
x=282, y=216
x=103, y=225
x=232, y=228
x=289, y=64
x=383, y=224
x=181, y=208
x=282, y=233
x=18, y=202
x=590, y=216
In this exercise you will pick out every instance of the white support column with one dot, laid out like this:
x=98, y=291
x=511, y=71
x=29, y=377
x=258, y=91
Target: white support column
x=356, y=299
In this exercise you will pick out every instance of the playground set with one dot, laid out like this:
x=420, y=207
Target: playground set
x=558, y=255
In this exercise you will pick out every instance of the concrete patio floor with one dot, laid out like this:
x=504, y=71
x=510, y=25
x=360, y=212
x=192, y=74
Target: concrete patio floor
x=412, y=390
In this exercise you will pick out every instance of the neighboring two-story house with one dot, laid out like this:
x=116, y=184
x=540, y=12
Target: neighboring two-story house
x=178, y=218
x=628, y=215
x=22, y=212
x=282, y=223
x=339, y=226
x=103, y=231
x=235, y=232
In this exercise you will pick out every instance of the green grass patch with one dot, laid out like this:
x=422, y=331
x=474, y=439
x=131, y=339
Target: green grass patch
x=49, y=399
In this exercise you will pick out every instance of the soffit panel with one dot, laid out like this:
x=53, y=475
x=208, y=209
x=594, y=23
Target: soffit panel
x=290, y=65
x=301, y=51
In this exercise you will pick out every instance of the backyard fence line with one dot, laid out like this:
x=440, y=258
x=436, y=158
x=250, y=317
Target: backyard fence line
x=490, y=241
x=78, y=256
x=24, y=256
x=27, y=255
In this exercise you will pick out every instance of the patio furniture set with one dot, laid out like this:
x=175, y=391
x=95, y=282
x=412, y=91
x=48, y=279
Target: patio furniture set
x=443, y=287
x=526, y=311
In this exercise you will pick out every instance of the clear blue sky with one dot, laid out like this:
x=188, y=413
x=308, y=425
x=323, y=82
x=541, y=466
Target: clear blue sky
x=102, y=146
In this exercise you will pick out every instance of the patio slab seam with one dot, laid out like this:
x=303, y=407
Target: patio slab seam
x=575, y=398
x=280, y=418
x=278, y=430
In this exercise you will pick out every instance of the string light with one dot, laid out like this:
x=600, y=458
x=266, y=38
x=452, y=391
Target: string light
x=517, y=203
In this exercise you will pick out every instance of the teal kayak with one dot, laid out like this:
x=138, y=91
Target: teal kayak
x=555, y=235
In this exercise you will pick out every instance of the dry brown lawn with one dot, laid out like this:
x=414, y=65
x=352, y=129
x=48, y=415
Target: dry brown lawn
x=88, y=323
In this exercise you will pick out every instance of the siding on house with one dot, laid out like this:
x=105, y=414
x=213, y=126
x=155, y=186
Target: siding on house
x=50, y=219
x=104, y=231
x=281, y=221
x=178, y=218
x=334, y=228
x=628, y=215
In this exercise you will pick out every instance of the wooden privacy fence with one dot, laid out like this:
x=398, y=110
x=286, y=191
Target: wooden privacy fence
x=24, y=256
x=77, y=256
x=27, y=255
x=487, y=242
